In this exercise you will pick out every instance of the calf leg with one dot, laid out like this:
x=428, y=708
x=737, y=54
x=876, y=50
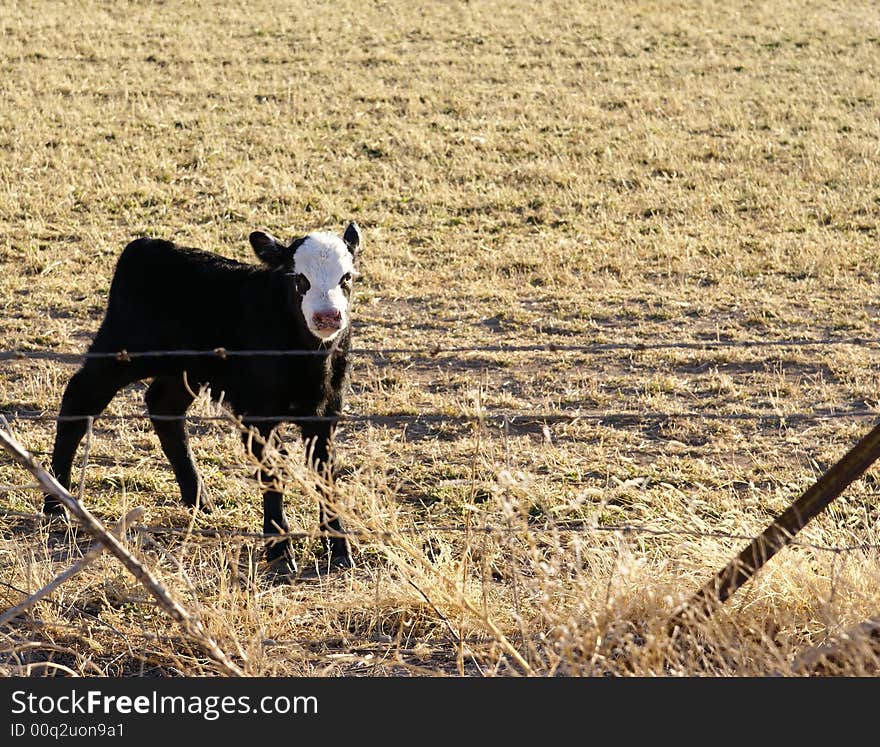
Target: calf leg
x=87, y=393
x=168, y=399
x=274, y=521
x=317, y=437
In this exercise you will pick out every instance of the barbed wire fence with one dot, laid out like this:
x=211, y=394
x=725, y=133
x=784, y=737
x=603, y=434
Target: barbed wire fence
x=714, y=343
x=493, y=417
x=501, y=419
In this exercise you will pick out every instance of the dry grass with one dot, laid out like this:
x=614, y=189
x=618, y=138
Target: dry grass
x=524, y=173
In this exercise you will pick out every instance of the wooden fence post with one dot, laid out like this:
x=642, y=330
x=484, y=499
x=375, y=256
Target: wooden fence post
x=782, y=530
x=191, y=625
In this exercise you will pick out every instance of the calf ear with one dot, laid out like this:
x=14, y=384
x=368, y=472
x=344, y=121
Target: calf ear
x=352, y=237
x=271, y=251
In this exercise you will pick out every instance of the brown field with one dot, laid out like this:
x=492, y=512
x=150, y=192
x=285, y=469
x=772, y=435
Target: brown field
x=650, y=174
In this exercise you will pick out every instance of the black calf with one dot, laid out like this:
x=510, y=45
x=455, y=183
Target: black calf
x=164, y=297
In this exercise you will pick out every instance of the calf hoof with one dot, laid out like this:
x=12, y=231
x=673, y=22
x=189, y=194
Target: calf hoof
x=279, y=559
x=55, y=513
x=338, y=554
x=203, y=505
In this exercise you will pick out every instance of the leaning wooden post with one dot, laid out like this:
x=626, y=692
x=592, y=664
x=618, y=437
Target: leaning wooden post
x=783, y=529
x=191, y=625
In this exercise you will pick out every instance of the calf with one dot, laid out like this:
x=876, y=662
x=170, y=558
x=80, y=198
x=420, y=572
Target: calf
x=169, y=298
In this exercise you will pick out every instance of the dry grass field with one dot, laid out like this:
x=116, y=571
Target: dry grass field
x=656, y=182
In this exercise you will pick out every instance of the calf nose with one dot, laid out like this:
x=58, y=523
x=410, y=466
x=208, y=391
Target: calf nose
x=327, y=319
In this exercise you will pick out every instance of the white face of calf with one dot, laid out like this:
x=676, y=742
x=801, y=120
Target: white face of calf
x=321, y=267
x=324, y=268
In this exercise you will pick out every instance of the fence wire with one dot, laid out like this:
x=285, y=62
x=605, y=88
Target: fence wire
x=634, y=346
x=490, y=417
